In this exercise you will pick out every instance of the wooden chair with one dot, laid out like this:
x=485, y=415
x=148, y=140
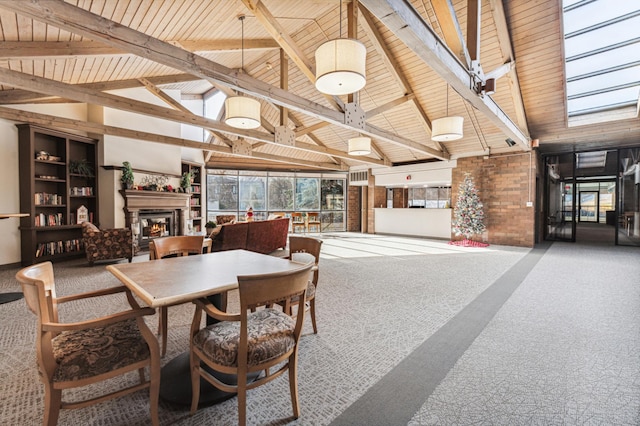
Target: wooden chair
x=313, y=222
x=309, y=246
x=183, y=245
x=264, y=338
x=297, y=222
x=67, y=352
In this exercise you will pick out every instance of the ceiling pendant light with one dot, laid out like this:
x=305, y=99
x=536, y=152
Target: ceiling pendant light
x=242, y=112
x=447, y=128
x=340, y=65
x=359, y=146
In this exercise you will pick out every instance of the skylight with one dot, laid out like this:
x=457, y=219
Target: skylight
x=602, y=56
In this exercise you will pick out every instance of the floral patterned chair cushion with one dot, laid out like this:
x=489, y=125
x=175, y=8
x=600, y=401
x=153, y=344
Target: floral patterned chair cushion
x=106, y=244
x=270, y=334
x=80, y=354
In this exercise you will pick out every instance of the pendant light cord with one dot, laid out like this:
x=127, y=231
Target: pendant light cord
x=242, y=42
x=340, y=7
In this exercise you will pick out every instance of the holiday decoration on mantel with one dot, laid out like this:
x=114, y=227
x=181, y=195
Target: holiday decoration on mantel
x=468, y=214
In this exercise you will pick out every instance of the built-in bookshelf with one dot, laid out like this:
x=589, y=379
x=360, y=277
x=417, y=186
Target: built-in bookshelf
x=196, y=200
x=58, y=188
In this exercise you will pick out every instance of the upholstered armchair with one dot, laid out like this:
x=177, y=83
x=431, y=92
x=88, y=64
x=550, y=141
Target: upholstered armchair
x=106, y=244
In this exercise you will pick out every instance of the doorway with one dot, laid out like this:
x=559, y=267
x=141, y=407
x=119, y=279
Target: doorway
x=580, y=196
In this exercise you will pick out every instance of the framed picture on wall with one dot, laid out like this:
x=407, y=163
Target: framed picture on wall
x=82, y=214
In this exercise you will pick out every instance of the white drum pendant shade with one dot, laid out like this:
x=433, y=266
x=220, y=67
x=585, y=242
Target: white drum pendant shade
x=446, y=129
x=360, y=146
x=340, y=66
x=242, y=112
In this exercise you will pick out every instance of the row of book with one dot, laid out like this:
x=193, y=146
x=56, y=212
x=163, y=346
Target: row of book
x=83, y=191
x=194, y=202
x=58, y=247
x=49, y=219
x=43, y=198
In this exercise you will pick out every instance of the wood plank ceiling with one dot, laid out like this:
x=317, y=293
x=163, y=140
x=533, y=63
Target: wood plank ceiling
x=56, y=51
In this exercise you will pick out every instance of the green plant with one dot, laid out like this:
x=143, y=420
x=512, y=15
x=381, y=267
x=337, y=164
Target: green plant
x=185, y=182
x=211, y=224
x=81, y=167
x=127, y=175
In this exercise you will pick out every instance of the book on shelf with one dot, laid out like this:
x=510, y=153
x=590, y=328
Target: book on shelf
x=49, y=219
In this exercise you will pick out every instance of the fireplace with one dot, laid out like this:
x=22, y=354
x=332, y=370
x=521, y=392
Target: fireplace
x=155, y=224
x=153, y=214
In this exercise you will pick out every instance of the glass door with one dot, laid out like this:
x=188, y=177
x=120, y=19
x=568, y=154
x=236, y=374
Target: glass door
x=559, y=197
x=588, y=206
x=629, y=197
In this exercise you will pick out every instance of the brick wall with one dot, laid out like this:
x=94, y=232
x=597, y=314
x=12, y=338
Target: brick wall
x=505, y=184
x=353, y=208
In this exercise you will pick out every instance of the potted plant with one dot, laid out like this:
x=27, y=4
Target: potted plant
x=127, y=176
x=210, y=226
x=185, y=182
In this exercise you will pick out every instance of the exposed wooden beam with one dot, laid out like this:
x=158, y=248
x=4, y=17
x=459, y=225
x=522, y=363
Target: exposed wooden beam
x=474, y=16
x=504, y=39
x=77, y=20
x=308, y=129
x=16, y=79
x=284, y=85
x=451, y=31
x=390, y=105
x=177, y=105
x=287, y=44
x=18, y=96
x=400, y=17
x=391, y=64
x=89, y=127
x=52, y=49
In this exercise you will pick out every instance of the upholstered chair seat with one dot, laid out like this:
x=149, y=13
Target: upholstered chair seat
x=106, y=244
x=270, y=334
x=80, y=354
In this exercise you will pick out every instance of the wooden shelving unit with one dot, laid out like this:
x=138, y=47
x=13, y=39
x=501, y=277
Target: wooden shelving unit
x=196, y=201
x=57, y=178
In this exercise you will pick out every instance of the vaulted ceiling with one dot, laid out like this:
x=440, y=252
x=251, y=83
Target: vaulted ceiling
x=425, y=59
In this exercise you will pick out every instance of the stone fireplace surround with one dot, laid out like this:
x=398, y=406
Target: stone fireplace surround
x=137, y=201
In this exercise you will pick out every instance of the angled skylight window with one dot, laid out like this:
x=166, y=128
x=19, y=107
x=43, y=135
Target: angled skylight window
x=602, y=59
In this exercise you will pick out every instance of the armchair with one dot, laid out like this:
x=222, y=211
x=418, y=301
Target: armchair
x=106, y=244
x=78, y=354
x=253, y=340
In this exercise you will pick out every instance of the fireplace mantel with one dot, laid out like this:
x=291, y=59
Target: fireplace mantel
x=136, y=201
x=154, y=200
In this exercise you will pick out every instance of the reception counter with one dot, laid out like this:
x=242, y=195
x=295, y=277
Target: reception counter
x=435, y=223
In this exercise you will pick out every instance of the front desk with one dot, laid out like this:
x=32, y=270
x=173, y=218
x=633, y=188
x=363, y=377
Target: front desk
x=434, y=223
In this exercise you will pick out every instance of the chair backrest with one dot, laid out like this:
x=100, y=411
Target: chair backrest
x=267, y=289
x=297, y=218
x=182, y=245
x=313, y=216
x=308, y=245
x=39, y=290
x=225, y=218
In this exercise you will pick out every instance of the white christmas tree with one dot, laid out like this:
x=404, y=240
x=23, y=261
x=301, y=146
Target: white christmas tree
x=468, y=214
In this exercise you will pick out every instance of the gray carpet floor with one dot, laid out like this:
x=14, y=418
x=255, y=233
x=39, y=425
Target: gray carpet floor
x=555, y=340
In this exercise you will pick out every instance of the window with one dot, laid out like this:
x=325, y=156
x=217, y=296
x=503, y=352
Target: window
x=602, y=56
x=307, y=194
x=430, y=197
x=232, y=192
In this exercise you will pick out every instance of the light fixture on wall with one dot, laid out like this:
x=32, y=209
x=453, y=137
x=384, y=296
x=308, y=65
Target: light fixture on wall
x=359, y=146
x=242, y=112
x=340, y=65
x=447, y=128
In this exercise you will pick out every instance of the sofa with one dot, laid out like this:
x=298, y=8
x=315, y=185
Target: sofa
x=260, y=236
x=106, y=244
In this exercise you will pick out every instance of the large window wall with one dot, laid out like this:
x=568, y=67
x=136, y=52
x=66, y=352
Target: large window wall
x=233, y=192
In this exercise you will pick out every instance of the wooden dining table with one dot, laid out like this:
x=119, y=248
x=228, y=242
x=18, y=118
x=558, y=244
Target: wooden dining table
x=169, y=281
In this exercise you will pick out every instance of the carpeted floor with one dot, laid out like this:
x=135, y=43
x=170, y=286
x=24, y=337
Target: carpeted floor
x=380, y=301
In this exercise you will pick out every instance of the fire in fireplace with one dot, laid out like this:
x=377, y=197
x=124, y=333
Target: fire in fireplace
x=155, y=225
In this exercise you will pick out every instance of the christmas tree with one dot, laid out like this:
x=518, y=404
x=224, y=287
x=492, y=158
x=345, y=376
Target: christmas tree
x=468, y=214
